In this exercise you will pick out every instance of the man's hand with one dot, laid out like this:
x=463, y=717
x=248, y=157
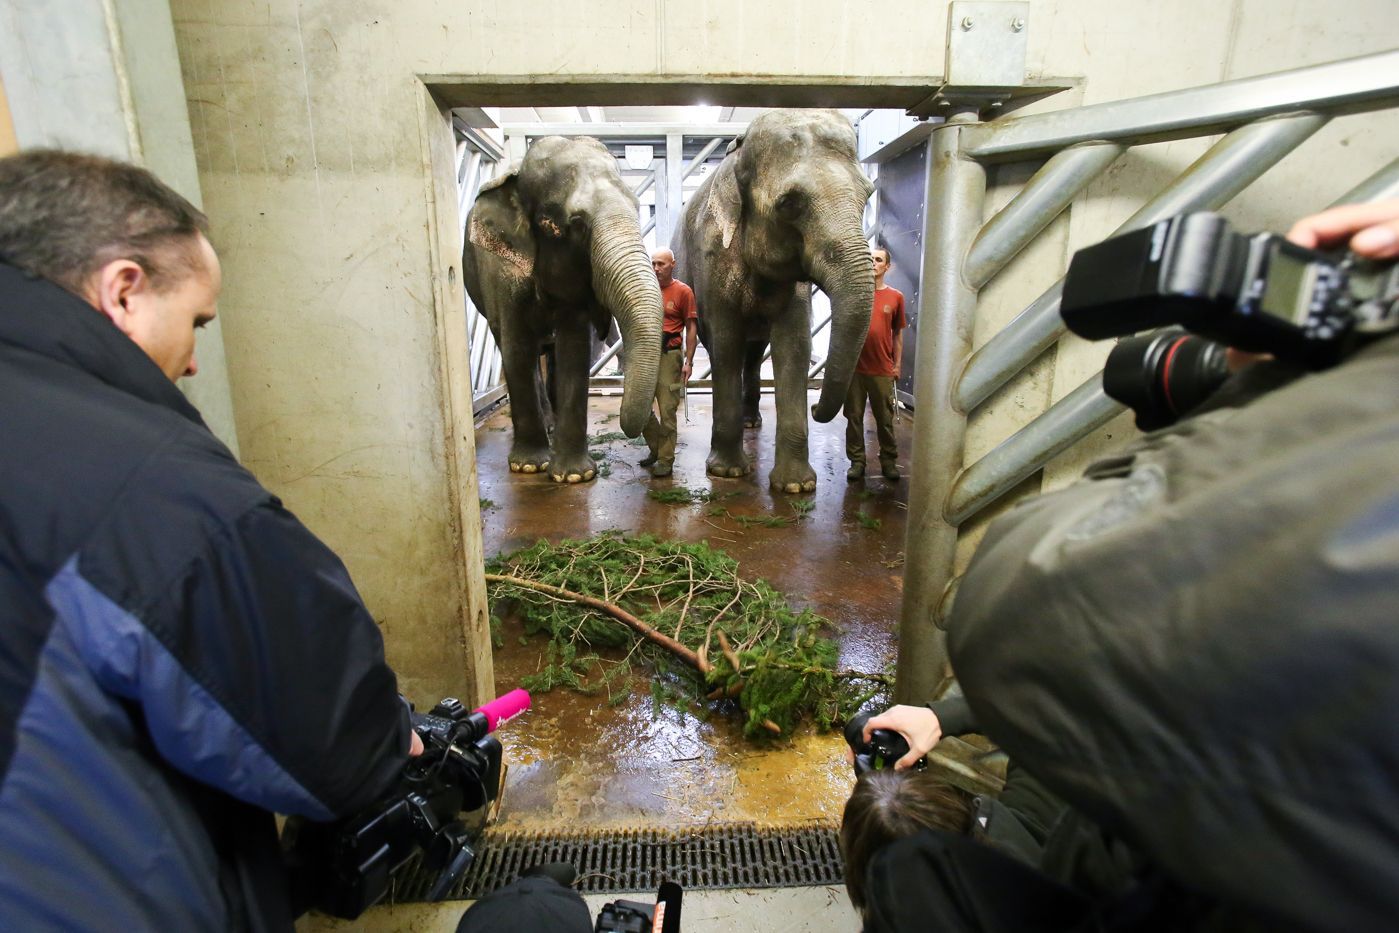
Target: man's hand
x=917, y=724
x=415, y=746
x=685, y=372
x=1370, y=230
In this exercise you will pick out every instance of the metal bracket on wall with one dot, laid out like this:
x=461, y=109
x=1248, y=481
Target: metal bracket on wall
x=985, y=68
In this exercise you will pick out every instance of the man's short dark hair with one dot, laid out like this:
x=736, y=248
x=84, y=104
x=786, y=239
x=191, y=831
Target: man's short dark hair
x=885, y=250
x=888, y=805
x=64, y=215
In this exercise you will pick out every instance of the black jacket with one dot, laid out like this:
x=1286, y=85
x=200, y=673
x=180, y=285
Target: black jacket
x=179, y=656
x=1198, y=647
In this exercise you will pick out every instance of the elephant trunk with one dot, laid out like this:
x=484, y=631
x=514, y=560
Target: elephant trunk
x=841, y=266
x=625, y=284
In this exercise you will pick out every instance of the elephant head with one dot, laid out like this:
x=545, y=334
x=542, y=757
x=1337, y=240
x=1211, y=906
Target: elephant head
x=800, y=197
x=566, y=218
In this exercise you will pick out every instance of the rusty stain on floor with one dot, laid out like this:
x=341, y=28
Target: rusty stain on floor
x=576, y=761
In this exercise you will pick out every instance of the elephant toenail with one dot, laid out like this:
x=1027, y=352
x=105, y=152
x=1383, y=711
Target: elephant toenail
x=514, y=467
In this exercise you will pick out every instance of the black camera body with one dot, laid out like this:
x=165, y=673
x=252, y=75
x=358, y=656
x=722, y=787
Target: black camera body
x=344, y=867
x=1258, y=293
x=884, y=748
x=663, y=916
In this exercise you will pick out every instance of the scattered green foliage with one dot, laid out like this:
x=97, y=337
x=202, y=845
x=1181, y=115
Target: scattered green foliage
x=766, y=521
x=607, y=437
x=868, y=521
x=866, y=494
x=801, y=508
x=497, y=634
x=487, y=504
x=688, y=592
x=680, y=495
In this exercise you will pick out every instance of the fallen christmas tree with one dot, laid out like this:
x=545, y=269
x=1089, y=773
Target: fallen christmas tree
x=684, y=610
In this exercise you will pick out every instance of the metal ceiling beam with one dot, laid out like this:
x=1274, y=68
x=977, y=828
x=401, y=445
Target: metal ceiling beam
x=477, y=138
x=657, y=131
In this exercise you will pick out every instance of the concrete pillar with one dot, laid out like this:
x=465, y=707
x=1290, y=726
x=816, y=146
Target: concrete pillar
x=105, y=78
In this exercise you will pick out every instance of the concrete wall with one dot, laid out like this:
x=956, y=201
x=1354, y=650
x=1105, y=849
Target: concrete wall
x=104, y=78
x=320, y=157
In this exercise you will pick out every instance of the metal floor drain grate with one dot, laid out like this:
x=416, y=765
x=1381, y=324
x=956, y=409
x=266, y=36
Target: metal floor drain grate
x=732, y=855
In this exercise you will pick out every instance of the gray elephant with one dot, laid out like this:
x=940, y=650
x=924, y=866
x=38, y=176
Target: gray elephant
x=784, y=209
x=553, y=249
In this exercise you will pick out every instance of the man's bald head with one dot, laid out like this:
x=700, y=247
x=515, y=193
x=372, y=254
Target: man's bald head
x=663, y=261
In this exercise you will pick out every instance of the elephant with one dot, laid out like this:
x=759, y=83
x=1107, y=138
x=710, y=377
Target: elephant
x=553, y=252
x=783, y=210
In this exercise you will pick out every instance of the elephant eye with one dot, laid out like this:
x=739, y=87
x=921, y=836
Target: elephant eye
x=791, y=204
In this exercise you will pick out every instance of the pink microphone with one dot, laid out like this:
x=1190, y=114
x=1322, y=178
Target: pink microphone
x=503, y=708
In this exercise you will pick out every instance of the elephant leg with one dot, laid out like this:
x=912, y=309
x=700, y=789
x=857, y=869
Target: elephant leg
x=726, y=456
x=544, y=383
x=529, y=448
x=753, y=351
x=571, y=462
x=791, y=354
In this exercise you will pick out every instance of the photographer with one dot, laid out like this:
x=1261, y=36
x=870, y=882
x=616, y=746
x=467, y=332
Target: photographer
x=181, y=657
x=902, y=878
x=1208, y=671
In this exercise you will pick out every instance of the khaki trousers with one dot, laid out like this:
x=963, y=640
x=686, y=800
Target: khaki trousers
x=660, y=432
x=879, y=392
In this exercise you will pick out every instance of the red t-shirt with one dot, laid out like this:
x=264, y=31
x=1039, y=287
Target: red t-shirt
x=679, y=304
x=887, y=319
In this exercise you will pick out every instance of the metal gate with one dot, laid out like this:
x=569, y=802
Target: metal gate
x=1263, y=119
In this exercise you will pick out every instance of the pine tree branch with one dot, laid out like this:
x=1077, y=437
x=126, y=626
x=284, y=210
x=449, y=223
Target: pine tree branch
x=617, y=612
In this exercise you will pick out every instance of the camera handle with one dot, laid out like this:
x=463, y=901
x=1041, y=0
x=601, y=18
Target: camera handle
x=452, y=843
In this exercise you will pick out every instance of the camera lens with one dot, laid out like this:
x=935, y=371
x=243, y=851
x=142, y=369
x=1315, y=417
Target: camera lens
x=1164, y=376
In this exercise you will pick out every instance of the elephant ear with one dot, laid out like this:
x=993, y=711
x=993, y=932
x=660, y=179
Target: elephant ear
x=724, y=204
x=499, y=225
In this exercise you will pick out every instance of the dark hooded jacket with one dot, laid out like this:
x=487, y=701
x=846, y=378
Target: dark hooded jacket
x=1197, y=645
x=179, y=656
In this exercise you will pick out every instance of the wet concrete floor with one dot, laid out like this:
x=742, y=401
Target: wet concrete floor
x=574, y=761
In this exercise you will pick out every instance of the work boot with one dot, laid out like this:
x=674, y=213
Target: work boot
x=890, y=470
x=661, y=469
x=649, y=459
x=856, y=472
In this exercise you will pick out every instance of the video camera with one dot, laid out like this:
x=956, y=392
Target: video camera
x=636, y=917
x=346, y=866
x=1256, y=292
x=884, y=748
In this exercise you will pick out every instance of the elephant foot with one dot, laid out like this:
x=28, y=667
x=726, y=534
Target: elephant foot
x=726, y=467
x=572, y=468
x=793, y=478
x=529, y=460
x=754, y=421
